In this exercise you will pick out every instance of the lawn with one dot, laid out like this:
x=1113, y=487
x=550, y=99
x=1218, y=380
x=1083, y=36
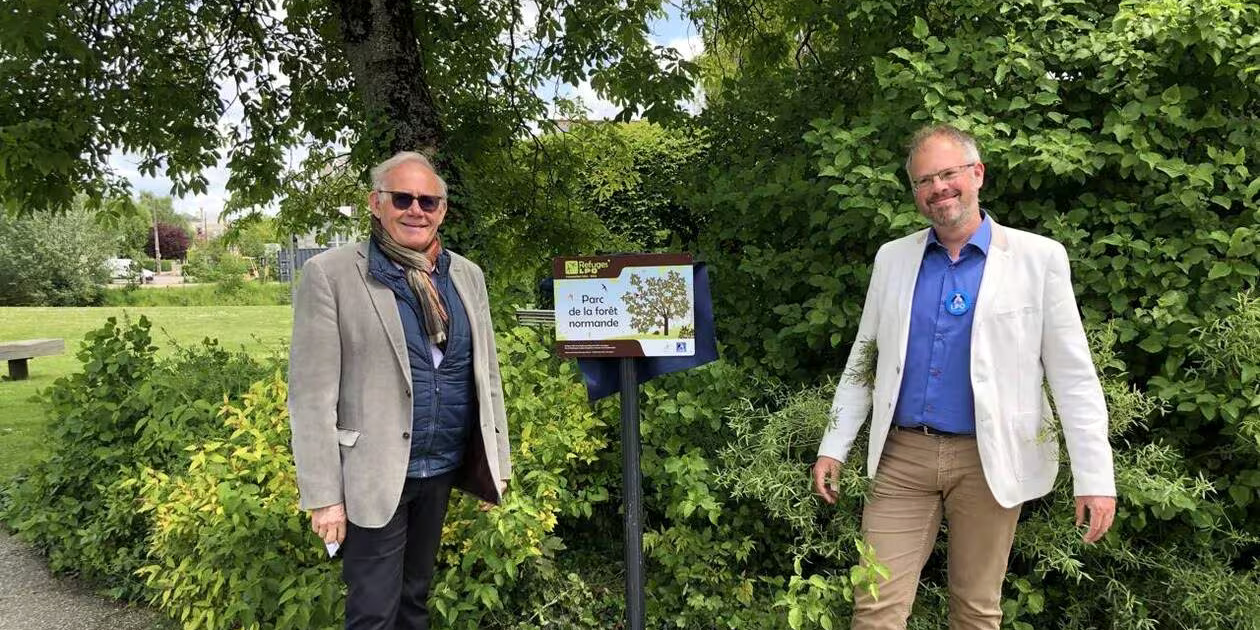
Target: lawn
x=258, y=329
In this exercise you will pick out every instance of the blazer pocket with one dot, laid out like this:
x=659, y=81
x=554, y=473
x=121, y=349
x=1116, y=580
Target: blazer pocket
x=347, y=437
x=1032, y=437
x=1012, y=311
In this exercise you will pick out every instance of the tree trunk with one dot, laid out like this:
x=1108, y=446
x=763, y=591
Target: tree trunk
x=380, y=41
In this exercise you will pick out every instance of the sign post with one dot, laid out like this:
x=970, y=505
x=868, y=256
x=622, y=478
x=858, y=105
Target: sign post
x=632, y=481
x=626, y=307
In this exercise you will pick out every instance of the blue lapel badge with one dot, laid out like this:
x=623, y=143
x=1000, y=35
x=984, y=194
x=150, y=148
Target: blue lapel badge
x=958, y=302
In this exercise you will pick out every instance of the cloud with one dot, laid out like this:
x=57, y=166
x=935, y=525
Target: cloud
x=689, y=47
x=125, y=165
x=597, y=107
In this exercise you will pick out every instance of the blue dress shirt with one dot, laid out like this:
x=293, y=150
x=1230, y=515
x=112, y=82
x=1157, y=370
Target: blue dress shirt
x=936, y=382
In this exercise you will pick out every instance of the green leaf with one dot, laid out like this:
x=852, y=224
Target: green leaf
x=1242, y=495
x=920, y=29
x=1152, y=344
x=1220, y=269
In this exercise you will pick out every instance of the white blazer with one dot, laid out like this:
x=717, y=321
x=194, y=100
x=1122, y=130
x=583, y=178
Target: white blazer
x=1026, y=330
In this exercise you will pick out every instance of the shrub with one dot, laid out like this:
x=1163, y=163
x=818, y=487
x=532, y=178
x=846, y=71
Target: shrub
x=213, y=263
x=53, y=260
x=192, y=504
x=124, y=412
x=229, y=548
x=1170, y=535
x=152, y=264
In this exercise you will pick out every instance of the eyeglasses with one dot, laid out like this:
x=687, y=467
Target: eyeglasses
x=402, y=200
x=946, y=175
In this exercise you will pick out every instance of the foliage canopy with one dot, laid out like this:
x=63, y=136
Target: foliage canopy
x=347, y=81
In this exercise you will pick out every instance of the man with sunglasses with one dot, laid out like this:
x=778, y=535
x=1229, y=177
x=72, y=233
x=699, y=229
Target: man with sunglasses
x=394, y=396
x=968, y=318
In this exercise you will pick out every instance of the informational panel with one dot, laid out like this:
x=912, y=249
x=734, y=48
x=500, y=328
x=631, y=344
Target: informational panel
x=637, y=305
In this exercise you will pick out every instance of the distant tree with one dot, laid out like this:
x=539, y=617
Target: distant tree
x=135, y=232
x=173, y=240
x=655, y=301
x=251, y=236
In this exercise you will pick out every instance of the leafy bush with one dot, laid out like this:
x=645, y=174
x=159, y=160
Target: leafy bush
x=238, y=487
x=229, y=548
x=1130, y=139
x=53, y=260
x=626, y=174
x=1171, y=534
x=213, y=263
x=124, y=412
x=152, y=264
x=173, y=485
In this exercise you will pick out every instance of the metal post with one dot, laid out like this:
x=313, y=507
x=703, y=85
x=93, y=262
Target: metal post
x=293, y=270
x=633, y=485
x=157, y=246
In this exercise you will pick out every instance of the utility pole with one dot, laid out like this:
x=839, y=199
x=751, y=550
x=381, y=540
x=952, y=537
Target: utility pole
x=293, y=283
x=157, y=245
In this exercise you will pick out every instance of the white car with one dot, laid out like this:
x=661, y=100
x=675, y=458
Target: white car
x=120, y=268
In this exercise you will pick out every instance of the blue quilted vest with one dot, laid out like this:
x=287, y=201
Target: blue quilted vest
x=444, y=400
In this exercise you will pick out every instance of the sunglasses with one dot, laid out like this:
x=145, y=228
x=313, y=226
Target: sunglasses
x=402, y=200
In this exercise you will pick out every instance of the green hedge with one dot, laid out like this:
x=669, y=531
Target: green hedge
x=229, y=294
x=152, y=264
x=171, y=481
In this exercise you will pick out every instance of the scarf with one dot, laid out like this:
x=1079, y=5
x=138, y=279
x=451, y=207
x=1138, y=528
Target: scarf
x=418, y=267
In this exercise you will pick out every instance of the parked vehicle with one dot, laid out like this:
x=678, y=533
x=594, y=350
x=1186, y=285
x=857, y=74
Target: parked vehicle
x=120, y=268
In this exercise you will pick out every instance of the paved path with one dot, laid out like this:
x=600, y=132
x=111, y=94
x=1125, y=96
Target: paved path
x=31, y=599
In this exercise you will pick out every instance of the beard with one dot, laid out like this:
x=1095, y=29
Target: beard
x=948, y=210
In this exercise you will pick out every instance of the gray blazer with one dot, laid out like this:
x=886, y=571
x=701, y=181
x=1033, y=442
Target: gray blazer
x=350, y=389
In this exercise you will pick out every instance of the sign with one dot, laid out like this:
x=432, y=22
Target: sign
x=640, y=305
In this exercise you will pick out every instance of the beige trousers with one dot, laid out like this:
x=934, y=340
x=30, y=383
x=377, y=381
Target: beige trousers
x=920, y=479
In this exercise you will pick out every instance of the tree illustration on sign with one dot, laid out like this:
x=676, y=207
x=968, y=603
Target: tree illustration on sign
x=656, y=300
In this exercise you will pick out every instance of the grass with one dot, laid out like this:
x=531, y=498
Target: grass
x=258, y=329
x=243, y=294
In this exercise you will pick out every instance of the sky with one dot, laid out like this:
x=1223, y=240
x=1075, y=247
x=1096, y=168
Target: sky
x=673, y=31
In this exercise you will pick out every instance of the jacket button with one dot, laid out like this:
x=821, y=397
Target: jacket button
x=406, y=435
x=409, y=393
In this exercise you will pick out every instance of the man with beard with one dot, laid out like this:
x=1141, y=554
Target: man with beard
x=967, y=318
x=394, y=396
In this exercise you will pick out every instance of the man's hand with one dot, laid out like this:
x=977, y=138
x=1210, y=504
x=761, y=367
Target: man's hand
x=1102, y=511
x=329, y=523
x=486, y=506
x=826, y=469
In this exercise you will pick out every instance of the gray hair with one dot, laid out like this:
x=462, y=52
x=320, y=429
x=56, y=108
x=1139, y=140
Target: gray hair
x=382, y=170
x=960, y=137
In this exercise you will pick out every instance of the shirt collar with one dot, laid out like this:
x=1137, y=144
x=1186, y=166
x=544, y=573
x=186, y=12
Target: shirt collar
x=980, y=238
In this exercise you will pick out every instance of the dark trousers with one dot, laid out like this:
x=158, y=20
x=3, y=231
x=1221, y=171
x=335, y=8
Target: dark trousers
x=388, y=570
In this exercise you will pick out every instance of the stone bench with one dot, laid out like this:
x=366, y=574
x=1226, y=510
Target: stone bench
x=17, y=353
